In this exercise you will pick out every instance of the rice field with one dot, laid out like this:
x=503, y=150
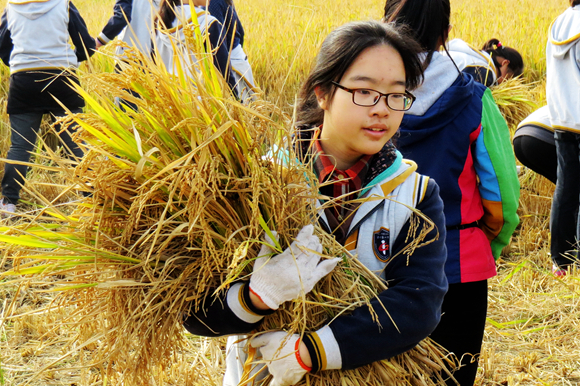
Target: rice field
x=531, y=335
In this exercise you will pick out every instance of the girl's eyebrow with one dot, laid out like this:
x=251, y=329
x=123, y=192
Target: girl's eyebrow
x=363, y=78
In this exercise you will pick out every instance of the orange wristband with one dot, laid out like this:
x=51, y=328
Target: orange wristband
x=297, y=352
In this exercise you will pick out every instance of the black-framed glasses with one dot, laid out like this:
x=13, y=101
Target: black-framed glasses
x=368, y=97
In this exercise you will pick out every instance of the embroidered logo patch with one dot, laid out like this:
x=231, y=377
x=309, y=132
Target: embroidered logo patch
x=381, y=240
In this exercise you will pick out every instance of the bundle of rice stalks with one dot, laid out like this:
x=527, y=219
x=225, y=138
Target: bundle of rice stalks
x=515, y=100
x=183, y=188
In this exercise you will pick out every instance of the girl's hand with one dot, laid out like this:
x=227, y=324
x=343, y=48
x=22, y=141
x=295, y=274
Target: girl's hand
x=286, y=356
x=279, y=278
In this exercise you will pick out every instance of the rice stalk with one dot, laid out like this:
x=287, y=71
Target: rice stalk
x=515, y=99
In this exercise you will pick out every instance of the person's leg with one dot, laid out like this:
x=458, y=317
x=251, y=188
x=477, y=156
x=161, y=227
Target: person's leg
x=24, y=129
x=72, y=149
x=461, y=327
x=564, y=214
x=537, y=155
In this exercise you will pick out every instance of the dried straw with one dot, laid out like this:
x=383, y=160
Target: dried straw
x=515, y=100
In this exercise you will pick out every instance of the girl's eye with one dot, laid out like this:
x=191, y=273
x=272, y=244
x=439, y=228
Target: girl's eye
x=363, y=91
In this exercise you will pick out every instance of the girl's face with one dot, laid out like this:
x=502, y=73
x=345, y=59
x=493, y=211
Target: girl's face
x=350, y=131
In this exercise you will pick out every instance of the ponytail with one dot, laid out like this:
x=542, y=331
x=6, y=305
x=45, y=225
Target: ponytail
x=495, y=48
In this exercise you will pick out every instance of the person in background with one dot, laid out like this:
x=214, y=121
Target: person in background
x=457, y=135
x=563, y=96
x=132, y=22
x=174, y=17
x=534, y=144
x=491, y=65
x=34, y=43
x=350, y=107
x=233, y=36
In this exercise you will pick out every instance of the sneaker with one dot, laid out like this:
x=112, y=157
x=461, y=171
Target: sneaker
x=7, y=209
x=557, y=271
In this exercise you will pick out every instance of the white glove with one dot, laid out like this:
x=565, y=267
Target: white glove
x=284, y=277
x=279, y=350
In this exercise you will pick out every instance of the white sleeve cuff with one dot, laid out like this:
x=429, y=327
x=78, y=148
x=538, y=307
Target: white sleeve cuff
x=103, y=38
x=326, y=338
x=235, y=300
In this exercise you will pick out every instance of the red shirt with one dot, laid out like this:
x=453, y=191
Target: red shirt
x=340, y=186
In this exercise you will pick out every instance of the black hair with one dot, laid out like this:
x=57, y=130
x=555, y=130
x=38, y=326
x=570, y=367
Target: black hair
x=428, y=21
x=166, y=15
x=340, y=49
x=495, y=49
x=574, y=3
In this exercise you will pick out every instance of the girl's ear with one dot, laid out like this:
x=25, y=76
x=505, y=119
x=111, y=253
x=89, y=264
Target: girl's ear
x=321, y=97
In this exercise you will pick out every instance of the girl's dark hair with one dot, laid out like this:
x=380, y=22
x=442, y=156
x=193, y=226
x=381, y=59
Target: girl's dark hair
x=340, y=49
x=495, y=49
x=574, y=3
x=166, y=15
x=428, y=21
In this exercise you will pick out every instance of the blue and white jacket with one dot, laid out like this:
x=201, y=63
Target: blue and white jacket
x=470, y=60
x=34, y=34
x=171, y=48
x=563, y=71
x=417, y=283
x=132, y=21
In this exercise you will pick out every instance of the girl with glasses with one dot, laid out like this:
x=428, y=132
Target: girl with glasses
x=350, y=107
x=457, y=135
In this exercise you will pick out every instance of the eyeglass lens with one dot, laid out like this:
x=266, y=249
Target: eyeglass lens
x=364, y=97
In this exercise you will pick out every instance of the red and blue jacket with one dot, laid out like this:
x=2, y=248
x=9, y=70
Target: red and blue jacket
x=457, y=135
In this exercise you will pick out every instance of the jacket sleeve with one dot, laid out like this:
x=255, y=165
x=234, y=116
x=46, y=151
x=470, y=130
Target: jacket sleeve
x=230, y=313
x=229, y=20
x=121, y=16
x=79, y=34
x=417, y=285
x=221, y=57
x=6, y=45
x=495, y=166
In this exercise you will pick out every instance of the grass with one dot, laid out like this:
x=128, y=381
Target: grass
x=530, y=337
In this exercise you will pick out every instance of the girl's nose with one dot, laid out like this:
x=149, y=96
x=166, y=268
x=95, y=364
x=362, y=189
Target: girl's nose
x=381, y=108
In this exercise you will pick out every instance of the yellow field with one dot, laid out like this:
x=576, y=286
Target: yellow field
x=531, y=337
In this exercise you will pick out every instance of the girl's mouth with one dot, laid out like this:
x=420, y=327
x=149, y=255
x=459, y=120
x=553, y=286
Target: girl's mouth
x=377, y=128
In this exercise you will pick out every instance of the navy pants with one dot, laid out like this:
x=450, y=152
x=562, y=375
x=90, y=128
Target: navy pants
x=538, y=155
x=564, y=220
x=461, y=327
x=23, y=141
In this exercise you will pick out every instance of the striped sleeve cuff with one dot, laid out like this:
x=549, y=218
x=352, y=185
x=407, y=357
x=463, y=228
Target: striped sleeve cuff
x=323, y=349
x=238, y=300
x=103, y=38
